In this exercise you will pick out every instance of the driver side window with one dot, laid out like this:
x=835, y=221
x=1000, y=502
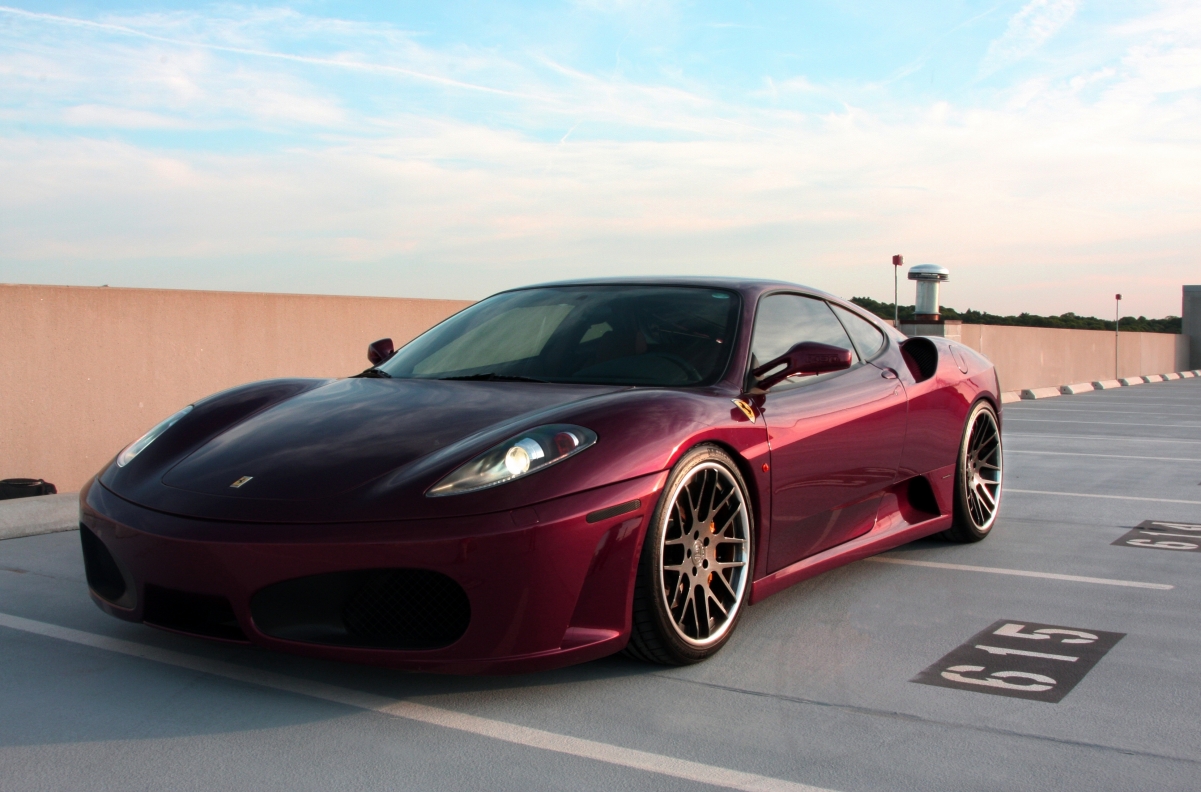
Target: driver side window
x=784, y=320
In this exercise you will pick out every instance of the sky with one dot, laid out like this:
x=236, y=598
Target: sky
x=1047, y=152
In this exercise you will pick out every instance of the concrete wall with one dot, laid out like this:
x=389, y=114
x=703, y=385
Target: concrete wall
x=1190, y=312
x=84, y=371
x=1044, y=357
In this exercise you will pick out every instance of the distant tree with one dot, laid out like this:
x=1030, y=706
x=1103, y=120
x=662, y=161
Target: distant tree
x=1070, y=321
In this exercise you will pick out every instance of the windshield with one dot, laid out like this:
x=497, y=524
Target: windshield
x=626, y=335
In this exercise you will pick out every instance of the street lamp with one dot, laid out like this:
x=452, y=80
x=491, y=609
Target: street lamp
x=897, y=261
x=1117, y=304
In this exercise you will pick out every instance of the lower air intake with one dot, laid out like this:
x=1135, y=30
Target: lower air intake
x=370, y=608
x=198, y=614
x=104, y=577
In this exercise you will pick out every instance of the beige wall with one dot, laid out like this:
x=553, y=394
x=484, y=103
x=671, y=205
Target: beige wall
x=1044, y=357
x=84, y=371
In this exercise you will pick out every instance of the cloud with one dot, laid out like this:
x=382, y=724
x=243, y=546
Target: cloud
x=389, y=184
x=1028, y=29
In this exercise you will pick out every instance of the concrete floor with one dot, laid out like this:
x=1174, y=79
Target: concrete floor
x=813, y=690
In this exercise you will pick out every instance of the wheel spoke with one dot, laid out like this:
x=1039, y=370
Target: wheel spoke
x=986, y=497
x=712, y=599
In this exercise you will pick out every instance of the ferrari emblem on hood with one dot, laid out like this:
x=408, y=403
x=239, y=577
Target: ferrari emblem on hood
x=746, y=408
x=240, y=482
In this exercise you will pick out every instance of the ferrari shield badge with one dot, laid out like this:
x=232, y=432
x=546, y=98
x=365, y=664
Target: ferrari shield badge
x=240, y=482
x=746, y=408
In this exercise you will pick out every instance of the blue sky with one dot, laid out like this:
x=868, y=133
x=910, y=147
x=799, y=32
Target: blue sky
x=1047, y=152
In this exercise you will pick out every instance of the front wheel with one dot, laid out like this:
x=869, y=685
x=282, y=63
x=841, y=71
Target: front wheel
x=694, y=572
x=977, y=476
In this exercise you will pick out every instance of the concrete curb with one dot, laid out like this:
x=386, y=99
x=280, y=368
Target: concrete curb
x=1008, y=397
x=39, y=515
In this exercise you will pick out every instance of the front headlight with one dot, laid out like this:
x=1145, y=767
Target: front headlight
x=139, y=445
x=518, y=456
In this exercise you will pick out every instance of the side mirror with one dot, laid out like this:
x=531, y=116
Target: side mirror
x=379, y=351
x=808, y=357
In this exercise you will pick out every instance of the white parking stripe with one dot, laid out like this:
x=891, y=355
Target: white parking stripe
x=1109, y=497
x=1009, y=451
x=435, y=716
x=1021, y=573
x=1097, y=437
x=1012, y=419
x=1050, y=409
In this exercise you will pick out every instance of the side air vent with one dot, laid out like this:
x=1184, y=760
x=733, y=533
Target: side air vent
x=921, y=355
x=921, y=495
x=371, y=608
x=103, y=574
x=198, y=614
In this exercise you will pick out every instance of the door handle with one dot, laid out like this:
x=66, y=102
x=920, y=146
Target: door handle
x=888, y=373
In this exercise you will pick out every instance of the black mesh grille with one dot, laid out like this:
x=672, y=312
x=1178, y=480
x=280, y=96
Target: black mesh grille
x=104, y=577
x=198, y=614
x=380, y=608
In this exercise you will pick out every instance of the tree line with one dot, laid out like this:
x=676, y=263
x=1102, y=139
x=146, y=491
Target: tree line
x=1069, y=321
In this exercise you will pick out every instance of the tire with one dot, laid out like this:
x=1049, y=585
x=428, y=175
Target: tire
x=686, y=611
x=978, y=476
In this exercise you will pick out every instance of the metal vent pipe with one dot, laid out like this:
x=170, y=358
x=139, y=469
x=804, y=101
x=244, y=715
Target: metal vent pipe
x=928, y=277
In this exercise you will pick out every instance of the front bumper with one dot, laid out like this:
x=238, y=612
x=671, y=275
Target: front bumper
x=546, y=587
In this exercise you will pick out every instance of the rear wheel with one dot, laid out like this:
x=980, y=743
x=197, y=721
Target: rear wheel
x=977, y=476
x=694, y=573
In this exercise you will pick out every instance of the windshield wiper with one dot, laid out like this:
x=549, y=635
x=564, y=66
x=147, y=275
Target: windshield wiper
x=491, y=377
x=374, y=373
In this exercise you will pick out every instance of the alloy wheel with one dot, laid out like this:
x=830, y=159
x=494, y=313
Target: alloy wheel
x=982, y=467
x=705, y=554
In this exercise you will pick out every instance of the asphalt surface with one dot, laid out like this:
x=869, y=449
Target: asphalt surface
x=815, y=688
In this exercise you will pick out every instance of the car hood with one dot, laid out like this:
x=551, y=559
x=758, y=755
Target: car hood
x=347, y=433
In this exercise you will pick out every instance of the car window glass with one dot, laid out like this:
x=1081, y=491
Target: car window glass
x=784, y=320
x=516, y=334
x=867, y=337
x=620, y=335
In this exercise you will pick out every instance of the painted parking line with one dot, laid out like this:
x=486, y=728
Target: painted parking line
x=1049, y=409
x=1009, y=451
x=434, y=716
x=1163, y=535
x=1041, y=436
x=1021, y=573
x=1041, y=662
x=1015, y=419
x=1093, y=495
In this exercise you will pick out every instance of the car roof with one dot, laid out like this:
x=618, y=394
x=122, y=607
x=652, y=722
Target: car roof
x=749, y=287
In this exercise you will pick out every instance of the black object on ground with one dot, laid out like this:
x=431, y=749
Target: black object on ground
x=1022, y=659
x=25, y=488
x=1161, y=535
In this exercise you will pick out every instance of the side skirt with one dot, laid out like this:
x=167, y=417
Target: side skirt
x=897, y=523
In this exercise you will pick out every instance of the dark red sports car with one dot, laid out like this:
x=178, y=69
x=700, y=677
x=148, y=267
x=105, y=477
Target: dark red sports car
x=552, y=475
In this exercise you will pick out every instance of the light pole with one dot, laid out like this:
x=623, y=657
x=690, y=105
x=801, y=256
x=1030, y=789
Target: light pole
x=1117, y=304
x=897, y=261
